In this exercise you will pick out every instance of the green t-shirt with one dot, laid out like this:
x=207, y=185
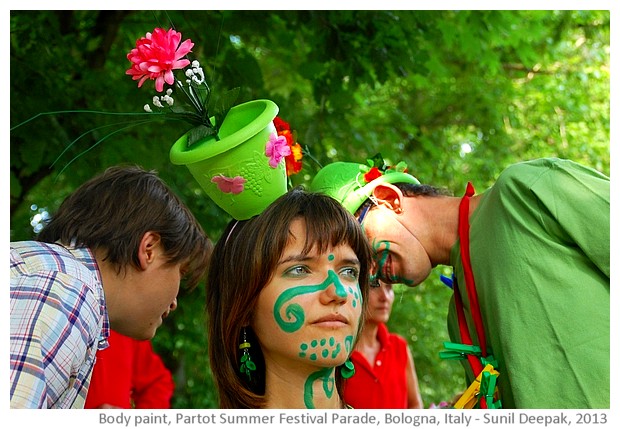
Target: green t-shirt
x=539, y=246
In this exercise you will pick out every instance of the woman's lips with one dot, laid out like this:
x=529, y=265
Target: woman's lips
x=331, y=321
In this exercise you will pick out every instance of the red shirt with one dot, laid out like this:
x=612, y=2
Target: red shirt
x=129, y=374
x=383, y=385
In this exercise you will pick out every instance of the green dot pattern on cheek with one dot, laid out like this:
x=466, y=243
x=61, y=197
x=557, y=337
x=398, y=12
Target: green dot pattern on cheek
x=325, y=347
x=336, y=351
x=356, y=295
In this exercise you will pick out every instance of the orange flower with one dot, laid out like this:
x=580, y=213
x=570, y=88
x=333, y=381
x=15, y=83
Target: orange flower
x=293, y=161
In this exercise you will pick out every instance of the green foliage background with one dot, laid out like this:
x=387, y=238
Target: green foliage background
x=458, y=95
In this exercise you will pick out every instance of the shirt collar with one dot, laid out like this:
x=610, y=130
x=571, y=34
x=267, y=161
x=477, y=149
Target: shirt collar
x=86, y=257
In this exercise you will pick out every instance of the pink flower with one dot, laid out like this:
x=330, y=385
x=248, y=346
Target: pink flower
x=276, y=149
x=157, y=55
x=229, y=185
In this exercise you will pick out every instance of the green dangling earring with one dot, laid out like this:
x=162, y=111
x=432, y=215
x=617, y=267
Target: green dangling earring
x=347, y=369
x=247, y=366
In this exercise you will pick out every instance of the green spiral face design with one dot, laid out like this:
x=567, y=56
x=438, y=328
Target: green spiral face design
x=295, y=314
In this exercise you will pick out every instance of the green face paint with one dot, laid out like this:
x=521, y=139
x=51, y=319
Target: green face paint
x=381, y=259
x=348, y=344
x=320, y=347
x=357, y=295
x=326, y=375
x=294, y=312
x=328, y=384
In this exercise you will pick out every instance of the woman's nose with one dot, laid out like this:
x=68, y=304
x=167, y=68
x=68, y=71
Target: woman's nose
x=383, y=292
x=334, y=292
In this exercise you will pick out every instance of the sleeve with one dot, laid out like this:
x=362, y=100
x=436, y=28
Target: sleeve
x=28, y=370
x=152, y=382
x=578, y=198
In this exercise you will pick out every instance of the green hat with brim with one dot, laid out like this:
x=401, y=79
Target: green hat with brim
x=345, y=182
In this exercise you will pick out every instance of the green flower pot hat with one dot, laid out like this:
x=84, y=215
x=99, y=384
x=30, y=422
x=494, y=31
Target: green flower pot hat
x=236, y=154
x=351, y=183
x=244, y=171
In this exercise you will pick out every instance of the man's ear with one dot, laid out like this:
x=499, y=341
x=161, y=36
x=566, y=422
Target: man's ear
x=389, y=195
x=147, y=250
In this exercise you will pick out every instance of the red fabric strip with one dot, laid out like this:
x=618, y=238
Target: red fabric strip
x=470, y=284
x=469, y=275
x=475, y=363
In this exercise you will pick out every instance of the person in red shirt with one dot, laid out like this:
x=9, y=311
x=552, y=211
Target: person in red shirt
x=129, y=374
x=385, y=375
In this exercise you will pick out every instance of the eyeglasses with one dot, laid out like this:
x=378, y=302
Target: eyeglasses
x=363, y=214
x=374, y=281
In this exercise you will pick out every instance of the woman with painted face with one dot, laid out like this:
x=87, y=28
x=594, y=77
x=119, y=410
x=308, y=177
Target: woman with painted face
x=286, y=292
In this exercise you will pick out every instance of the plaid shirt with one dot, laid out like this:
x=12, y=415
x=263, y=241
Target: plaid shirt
x=58, y=321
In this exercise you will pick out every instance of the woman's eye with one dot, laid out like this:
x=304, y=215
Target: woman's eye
x=350, y=273
x=296, y=271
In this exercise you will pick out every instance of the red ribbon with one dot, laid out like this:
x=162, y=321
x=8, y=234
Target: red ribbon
x=470, y=284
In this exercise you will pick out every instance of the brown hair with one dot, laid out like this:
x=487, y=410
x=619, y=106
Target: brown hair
x=409, y=190
x=244, y=260
x=114, y=210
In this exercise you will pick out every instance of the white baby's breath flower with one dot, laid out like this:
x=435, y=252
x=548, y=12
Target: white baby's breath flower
x=199, y=77
x=156, y=102
x=195, y=92
x=189, y=73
